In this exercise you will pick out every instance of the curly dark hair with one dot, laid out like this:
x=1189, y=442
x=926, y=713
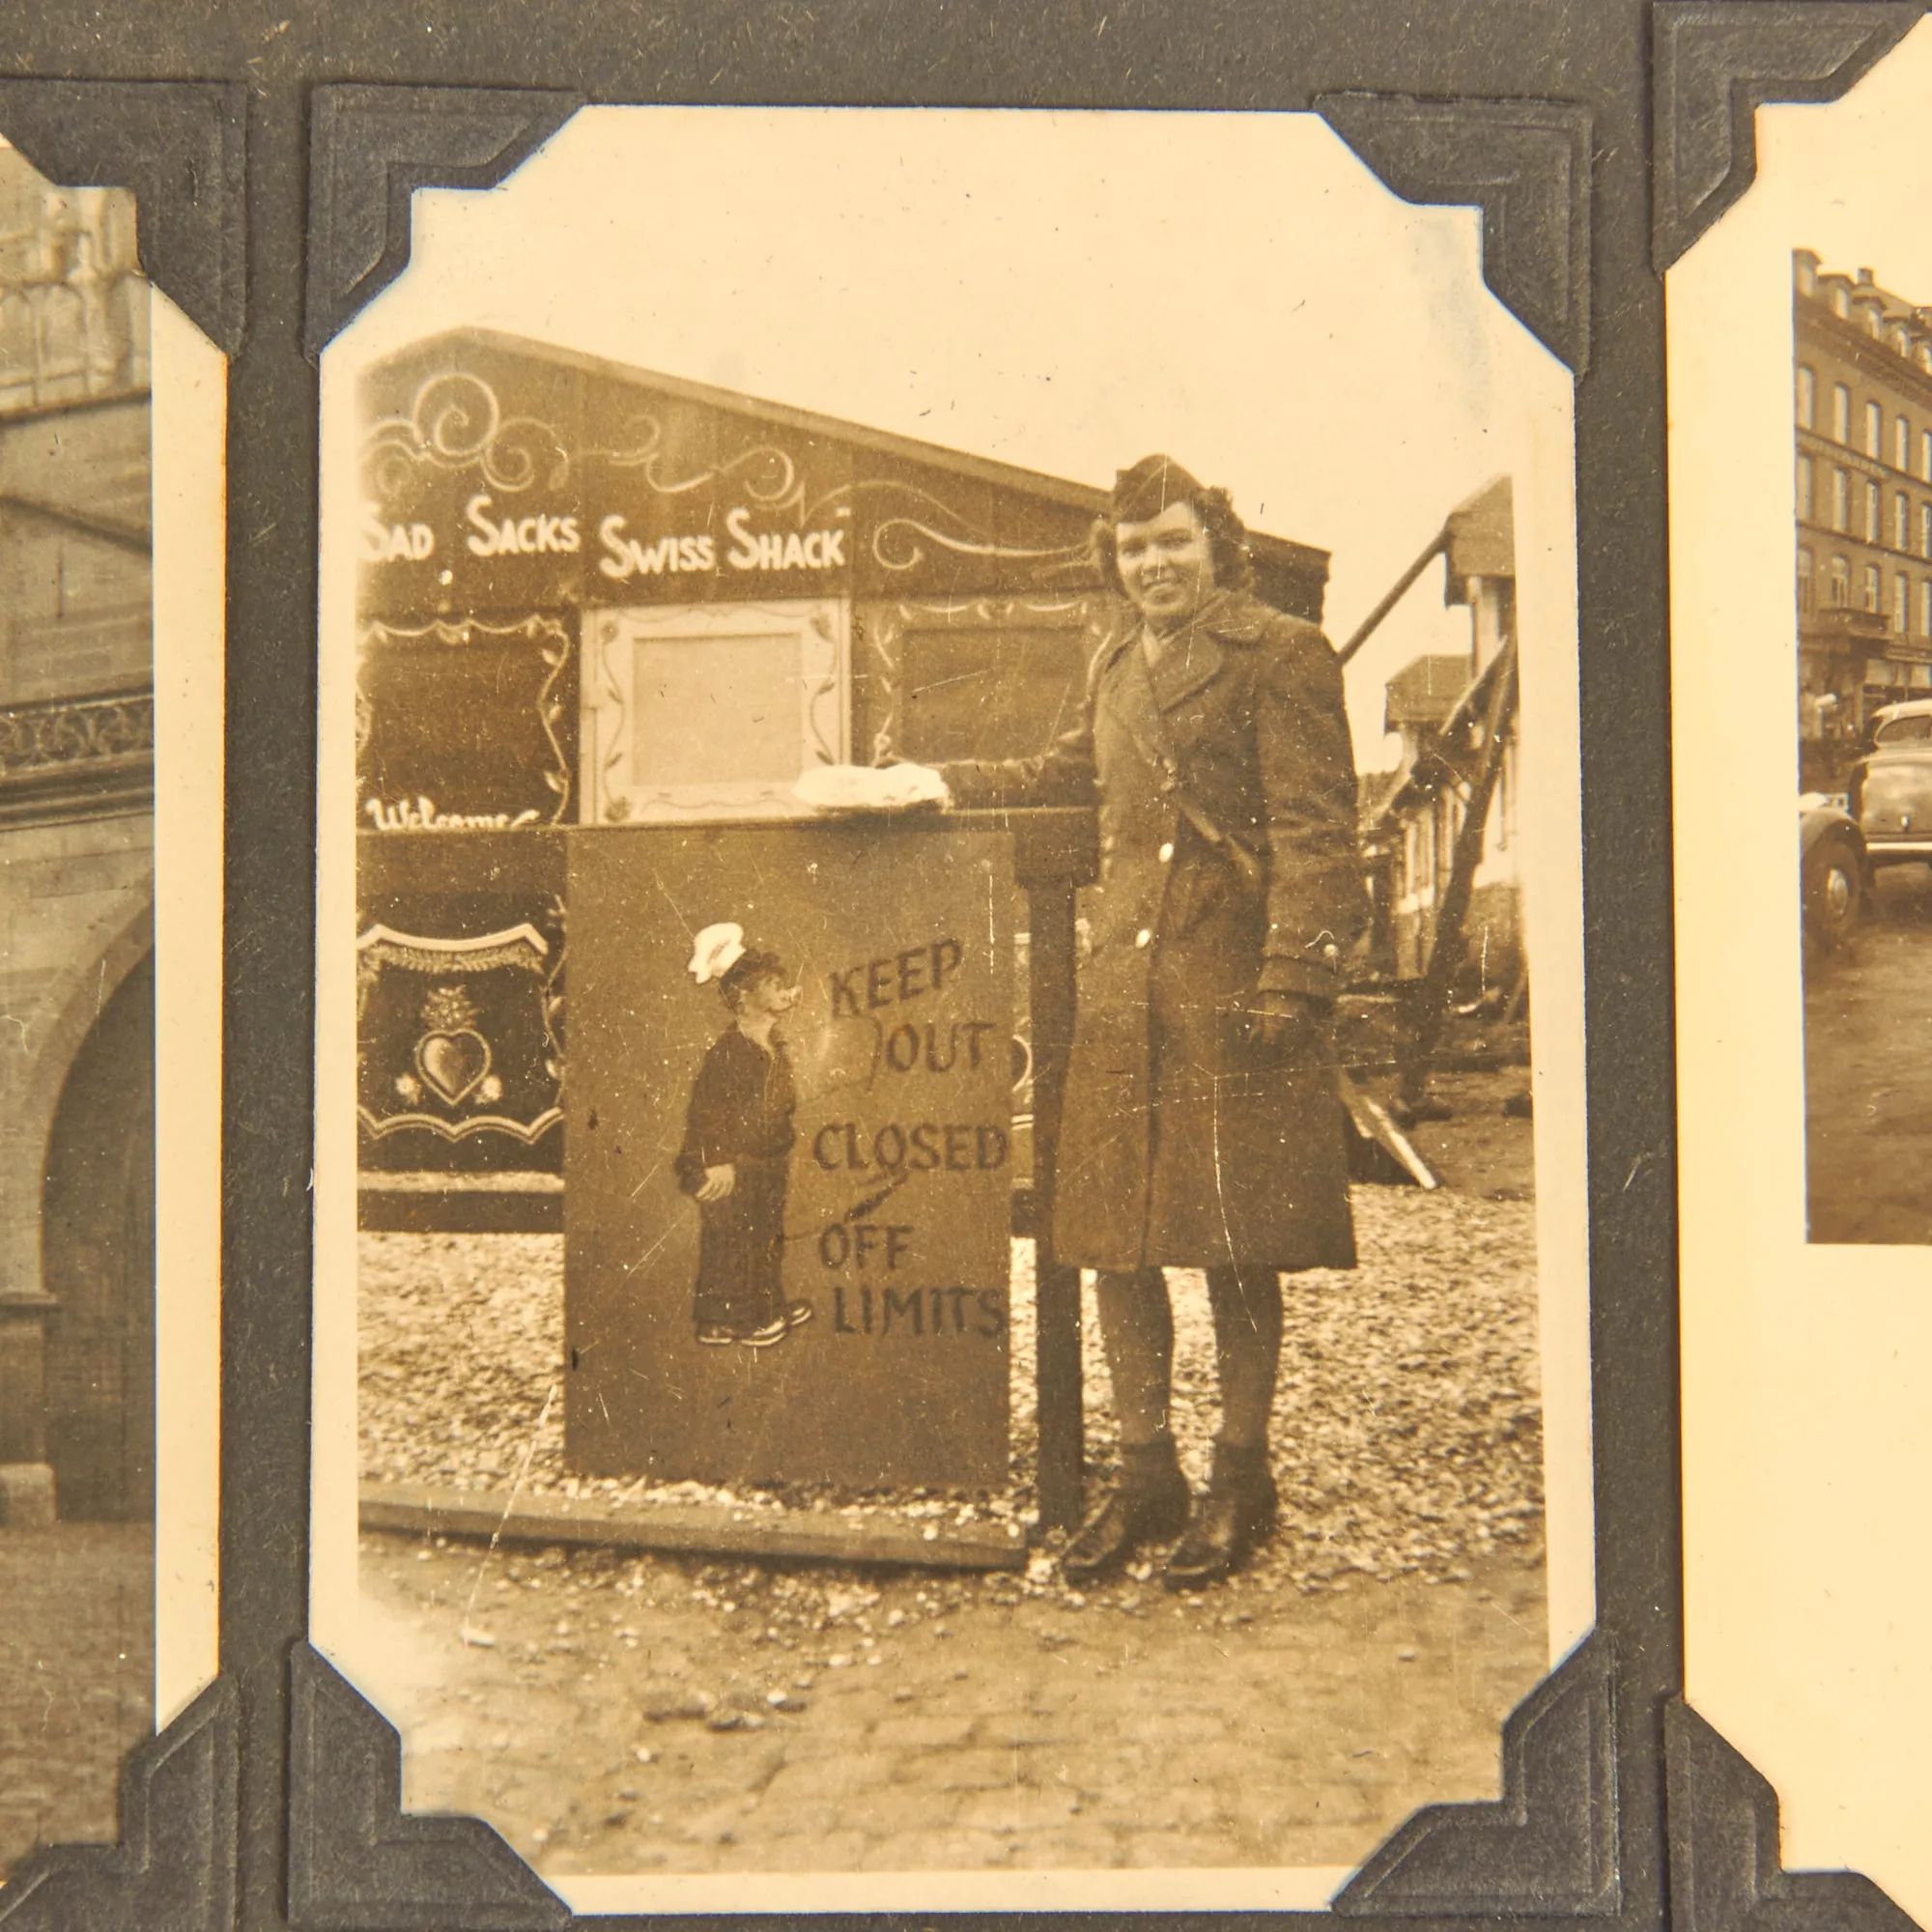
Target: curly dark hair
x=745, y=970
x=1157, y=483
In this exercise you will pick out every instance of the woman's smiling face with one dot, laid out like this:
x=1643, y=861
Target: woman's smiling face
x=1165, y=565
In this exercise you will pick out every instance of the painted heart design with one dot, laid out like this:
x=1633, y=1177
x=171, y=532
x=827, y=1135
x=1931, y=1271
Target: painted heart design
x=454, y=1064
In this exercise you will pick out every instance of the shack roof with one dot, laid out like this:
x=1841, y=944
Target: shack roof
x=1424, y=691
x=449, y=414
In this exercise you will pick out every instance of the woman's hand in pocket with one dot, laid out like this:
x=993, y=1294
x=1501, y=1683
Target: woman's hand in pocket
x=1284, y=1022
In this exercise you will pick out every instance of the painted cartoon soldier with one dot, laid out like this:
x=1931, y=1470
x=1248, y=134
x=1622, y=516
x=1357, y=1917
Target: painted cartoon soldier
x=1202, y=1125
x=737, y=1148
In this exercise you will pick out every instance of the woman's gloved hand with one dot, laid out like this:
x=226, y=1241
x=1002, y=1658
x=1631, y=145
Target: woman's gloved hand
x=1286, y=1021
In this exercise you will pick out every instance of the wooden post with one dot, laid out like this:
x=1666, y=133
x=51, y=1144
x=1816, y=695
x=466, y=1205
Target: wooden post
x=1056, y=850
x=1057, y=1286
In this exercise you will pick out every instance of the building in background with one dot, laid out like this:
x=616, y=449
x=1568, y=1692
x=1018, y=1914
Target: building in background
x=1863, y=403
x=77, y=857
x=1413, y=815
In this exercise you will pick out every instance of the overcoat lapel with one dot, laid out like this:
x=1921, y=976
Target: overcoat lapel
x=1131, y=699
x=1190, y=660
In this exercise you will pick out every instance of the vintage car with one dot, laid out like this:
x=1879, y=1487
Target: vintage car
x=1889, y=792
x=1834, y=872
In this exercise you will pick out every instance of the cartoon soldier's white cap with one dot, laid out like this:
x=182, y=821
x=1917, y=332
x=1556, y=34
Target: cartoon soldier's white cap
x=716, y=950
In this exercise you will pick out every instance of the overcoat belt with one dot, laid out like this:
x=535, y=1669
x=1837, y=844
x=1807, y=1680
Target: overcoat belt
x=1225, y=791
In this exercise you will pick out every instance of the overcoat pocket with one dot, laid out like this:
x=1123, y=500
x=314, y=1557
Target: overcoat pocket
x=1242, y=1049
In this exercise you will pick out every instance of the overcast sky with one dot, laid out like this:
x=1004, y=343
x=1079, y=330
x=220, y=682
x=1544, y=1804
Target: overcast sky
x=1063, y=291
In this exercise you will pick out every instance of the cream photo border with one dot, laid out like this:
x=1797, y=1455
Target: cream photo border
x=1805, y=1421
x=466, y=269
x=189, y=378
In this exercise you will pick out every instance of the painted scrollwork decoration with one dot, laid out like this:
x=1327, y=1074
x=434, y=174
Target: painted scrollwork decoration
x=651, y=755
x=414, y=775
x=765, y=474
x=900, y=537
x=885, y=633
x=456, y=423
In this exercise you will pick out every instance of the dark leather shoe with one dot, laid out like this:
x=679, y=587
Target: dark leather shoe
x=1123, y=1522
x=1222, y=1533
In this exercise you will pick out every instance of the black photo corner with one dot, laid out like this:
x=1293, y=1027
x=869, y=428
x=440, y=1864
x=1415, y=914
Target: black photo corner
x=271, y=157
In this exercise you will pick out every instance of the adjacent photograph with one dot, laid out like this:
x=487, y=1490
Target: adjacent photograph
x=951, y=1261
x=1863, y=403
x=1799, y=370
x=110, y=934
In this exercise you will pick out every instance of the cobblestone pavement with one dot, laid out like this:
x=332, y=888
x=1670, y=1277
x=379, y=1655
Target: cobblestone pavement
x=76, y=1677
x=1868, y=1097
x=670, y=1715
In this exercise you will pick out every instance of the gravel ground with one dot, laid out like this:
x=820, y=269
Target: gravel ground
x=1408, y=1427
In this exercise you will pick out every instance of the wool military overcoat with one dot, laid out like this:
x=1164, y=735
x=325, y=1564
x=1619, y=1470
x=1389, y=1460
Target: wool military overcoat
x=1226, y=791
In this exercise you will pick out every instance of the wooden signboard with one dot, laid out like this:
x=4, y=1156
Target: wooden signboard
x=894, y=1205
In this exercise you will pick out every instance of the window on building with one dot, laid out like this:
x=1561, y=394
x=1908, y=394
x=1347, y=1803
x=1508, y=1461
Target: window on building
x=1901, y=444
x=1925, y=454
x=1901, y=602
x=1874, y=512
x=1804, y=503
x=1874, y=590
x=1926, y=529
x=1901, y=522
x=1807, y=591
x=1925, y=608
x=1841, y=583
x=1808, y=397
x=1841, y=413
x=1874, y=431
x=1841, y=500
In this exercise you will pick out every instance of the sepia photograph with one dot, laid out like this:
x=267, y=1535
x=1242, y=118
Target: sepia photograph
x=110, y=934
x=1863, y=397
x=950, y=1257
x=1800, y=406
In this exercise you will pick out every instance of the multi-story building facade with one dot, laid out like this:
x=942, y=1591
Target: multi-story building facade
x=76, y=856
x=1863, y=414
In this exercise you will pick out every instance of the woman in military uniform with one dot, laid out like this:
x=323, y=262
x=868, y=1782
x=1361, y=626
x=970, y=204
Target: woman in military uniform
x=1202, y=1125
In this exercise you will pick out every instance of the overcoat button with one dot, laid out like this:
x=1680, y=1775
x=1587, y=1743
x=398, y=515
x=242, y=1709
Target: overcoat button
x=1167, y=853
x=1143, y=937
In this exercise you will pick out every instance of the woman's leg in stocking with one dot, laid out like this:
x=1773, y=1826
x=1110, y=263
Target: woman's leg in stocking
x=1151, y=1501
x=1239, y=1507
x=1137, y=1331
x=1247, y=1306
